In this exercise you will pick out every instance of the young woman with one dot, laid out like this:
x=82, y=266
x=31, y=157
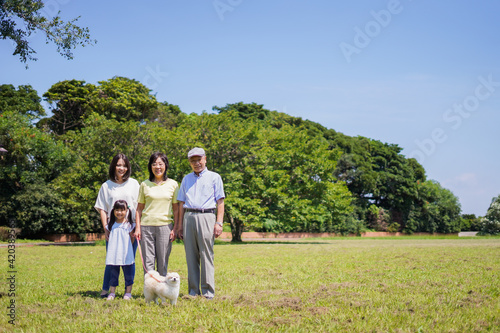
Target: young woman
x=119, y=186
x=157, y=212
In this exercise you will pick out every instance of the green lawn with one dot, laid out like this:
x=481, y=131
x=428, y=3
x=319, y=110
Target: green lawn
x=310, y=285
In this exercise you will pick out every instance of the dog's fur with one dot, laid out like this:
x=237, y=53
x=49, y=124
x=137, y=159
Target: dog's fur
x=167, y=288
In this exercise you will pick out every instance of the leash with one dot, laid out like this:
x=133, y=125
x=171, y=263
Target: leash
x=140, y=253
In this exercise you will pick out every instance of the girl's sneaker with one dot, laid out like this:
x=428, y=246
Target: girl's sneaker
x=127, y=296
x=110, y=297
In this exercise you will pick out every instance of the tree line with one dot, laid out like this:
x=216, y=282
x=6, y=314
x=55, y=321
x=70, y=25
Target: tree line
x=281, y=173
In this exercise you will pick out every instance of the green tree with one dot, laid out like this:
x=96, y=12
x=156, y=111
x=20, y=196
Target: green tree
x=33, y=161
x=228, y=143
x=167, y=115
x=119, y=98
x=273, y=177
x=300, y=189
x=70, y=103
x=23, y=100
x=437, y=210
x=124, y=99
x=245, y=111
x=377, y=173
x=21, y=18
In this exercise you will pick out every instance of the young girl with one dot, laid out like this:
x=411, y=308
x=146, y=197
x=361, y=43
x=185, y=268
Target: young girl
x=120, y=250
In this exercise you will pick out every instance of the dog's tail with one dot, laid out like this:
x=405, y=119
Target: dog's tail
x=154, y=274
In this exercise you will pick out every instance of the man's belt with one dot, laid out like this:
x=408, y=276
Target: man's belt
x=193, y=210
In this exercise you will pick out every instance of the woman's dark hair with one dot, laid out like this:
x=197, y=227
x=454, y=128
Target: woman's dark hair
x=114, y=162
x=120, y=205
x=153, y=159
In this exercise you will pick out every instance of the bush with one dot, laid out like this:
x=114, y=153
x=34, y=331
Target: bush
x=270, y=225
x=490, y=224
x=378, y=218
x=489, y=227
x=350, y=225
x=469, y=222
x=393, y=227
x=6, y=231
x=39, y=211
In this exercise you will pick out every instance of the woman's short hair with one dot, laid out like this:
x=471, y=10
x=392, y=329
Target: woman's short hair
x=114, y=162
x=153, y=159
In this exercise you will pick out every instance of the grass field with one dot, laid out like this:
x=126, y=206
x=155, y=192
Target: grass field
x=313, y=285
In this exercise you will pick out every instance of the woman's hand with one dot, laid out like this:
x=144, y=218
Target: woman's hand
x=138, y=215
x=178, y=233
x=104, y=221
x=137, y=233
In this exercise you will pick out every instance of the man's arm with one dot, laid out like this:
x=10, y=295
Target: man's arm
x=219, y=217
x=220, y=210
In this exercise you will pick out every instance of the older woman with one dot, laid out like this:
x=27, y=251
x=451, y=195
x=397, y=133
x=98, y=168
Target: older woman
x=157, y=212
x=119, y=186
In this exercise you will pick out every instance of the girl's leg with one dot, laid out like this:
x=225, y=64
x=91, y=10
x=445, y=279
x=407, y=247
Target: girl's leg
x=114, y=274
x=113, y=281
x=128, y=274
x=105, y=282
x=111, y=295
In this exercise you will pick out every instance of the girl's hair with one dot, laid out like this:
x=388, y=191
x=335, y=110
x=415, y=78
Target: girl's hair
x=114, y=162
x=153, y=159
x=120, y=205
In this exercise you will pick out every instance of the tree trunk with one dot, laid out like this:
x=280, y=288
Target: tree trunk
x=236, y=229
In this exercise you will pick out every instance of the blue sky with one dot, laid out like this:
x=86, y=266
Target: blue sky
x=422, y=74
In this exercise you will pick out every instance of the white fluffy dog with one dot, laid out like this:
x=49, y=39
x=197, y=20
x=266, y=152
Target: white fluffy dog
x=167, y=288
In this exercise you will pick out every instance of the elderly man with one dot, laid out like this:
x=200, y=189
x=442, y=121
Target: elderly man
x=201, y=208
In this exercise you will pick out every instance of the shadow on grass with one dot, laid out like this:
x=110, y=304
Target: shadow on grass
x=87, y=294
x=68, y=244
x=97, y=294
x=248, y=242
